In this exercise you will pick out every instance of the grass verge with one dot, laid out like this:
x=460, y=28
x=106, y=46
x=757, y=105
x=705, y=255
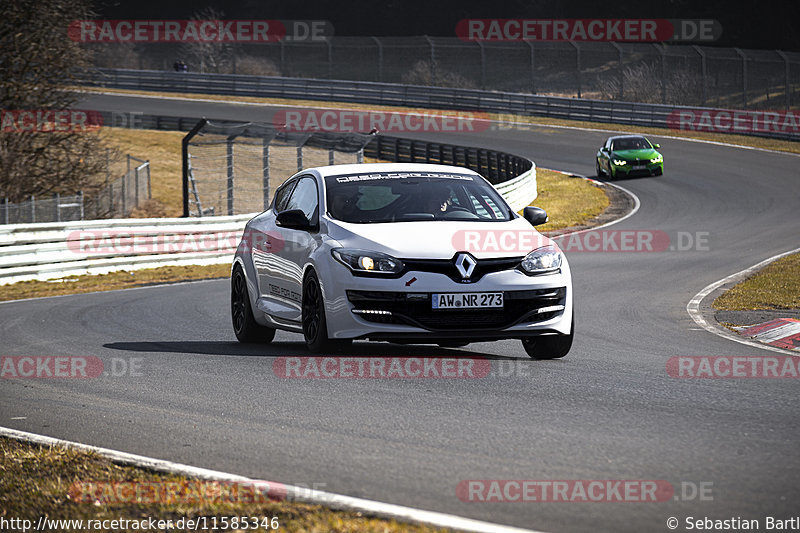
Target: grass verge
x=568, y=201
x=776, y=286
x=54, y=481
x=112, y=281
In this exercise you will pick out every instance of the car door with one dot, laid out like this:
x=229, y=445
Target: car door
x=266, y=245
x=298, y=244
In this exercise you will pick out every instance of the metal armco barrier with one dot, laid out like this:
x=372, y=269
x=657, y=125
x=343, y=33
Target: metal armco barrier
x=57, y=250
x=614, y=112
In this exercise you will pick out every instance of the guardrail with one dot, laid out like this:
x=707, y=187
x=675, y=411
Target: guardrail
x=374, y=93
x=56, y=250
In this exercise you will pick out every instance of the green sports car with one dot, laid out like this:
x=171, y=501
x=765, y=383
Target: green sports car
x=629, y=155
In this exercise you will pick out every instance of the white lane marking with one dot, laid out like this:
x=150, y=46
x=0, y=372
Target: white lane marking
x=778, y=333
x=693, y=307
x=558, y=126
x=300, y=494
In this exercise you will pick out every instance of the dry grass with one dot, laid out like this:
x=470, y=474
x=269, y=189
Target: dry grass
x=568, y=201
x=36, y=481
x=163, y=149
x=112, y=281
x=776, y=286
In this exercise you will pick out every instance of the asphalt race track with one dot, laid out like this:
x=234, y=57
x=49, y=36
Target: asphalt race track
x=609, y=410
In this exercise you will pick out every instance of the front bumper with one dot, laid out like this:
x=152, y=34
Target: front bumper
x=650, y=169
x=401, y=310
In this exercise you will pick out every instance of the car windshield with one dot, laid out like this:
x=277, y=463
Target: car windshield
x=632, y=143
x=413, y=196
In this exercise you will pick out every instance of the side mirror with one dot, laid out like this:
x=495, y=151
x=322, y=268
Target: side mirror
x=293, y=219
x=535, y=215
x=656, y=145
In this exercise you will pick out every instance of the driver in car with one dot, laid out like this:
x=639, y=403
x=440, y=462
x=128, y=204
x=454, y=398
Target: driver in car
x=439, y=201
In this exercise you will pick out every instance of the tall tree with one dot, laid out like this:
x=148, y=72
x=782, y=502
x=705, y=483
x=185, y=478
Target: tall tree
x=39, y=62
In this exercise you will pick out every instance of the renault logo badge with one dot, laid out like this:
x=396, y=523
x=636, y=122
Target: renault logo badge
x=465, y=264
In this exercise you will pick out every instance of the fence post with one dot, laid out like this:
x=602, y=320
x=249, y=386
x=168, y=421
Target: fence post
x=33, y=208
x=662, y=51
x=80, y=201
x=483, y=65
x=299, y=157
x=230, y=174
x=57, y=200
x=124, y=194
x=330, y=157
x=619, y=66
x=330, y=58
x=149, y=190
x=577, y=64
x=533, y=67
x=433, y=60
x=744, y=77
x=787, y=83
x=136, y=187
x=360, y=156
x=380, y=58
x=283, y=58
x=5, y=210
x=265, y=170
x=702, y=72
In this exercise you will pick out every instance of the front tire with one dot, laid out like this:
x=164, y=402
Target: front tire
x=315, y=326
x=245, y=327
x=599, y=170
x=550, y=346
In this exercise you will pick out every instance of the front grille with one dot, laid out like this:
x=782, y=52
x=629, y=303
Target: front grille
x=448, y=267
x=415, y=309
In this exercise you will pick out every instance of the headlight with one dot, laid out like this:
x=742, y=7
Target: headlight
x=542, y=260
x=658, y=159
x=620, y=162
x=364, y=261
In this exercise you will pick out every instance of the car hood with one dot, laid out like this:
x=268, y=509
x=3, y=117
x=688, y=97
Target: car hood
x=644, y=153
x=440, y=239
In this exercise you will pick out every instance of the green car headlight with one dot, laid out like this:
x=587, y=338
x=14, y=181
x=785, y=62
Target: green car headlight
x=620, y=162
x=658, y=159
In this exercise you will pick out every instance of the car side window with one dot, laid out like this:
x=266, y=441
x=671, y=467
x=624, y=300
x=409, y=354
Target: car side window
x=282, y=195
x=304, y=197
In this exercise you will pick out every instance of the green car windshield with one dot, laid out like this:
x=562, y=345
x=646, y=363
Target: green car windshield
x=632, y=143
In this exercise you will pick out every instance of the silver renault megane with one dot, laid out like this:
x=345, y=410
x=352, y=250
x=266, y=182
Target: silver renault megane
x=407, y=253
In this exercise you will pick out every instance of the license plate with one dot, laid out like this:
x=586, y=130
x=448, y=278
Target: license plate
x=466, y=300
x=639, y=167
